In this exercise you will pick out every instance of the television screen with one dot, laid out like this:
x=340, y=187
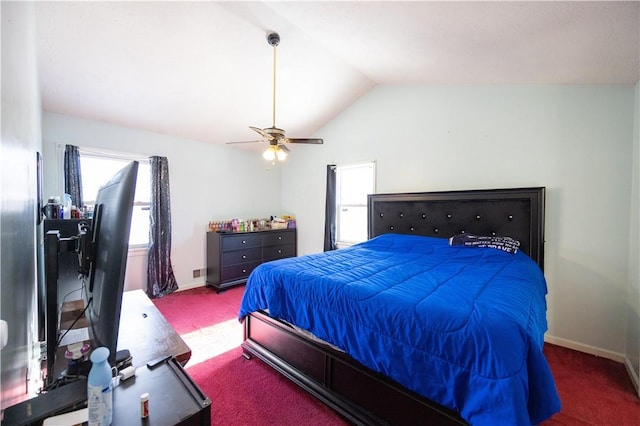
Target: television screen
x=109, y=247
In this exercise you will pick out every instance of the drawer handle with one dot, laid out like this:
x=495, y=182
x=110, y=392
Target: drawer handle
x=279, y=251
x=279, y=237
x=244, y=256
x=244, y=271
x=244, y=242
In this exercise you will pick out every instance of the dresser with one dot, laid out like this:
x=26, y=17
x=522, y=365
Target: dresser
x=231, y=256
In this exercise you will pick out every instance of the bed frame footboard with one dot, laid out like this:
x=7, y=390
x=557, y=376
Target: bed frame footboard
x=360, y=395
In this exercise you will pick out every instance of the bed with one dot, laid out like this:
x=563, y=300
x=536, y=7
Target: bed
x=399, y=345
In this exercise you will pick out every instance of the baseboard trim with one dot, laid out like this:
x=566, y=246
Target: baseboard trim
x=592, y=350
x=581, y=347
x=190, y=286
x=633, y=375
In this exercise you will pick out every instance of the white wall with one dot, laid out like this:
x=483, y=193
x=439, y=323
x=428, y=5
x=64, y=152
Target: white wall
x=575, y=141
x=207, y=183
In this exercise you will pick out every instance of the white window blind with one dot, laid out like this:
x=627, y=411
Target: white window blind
x=353, y=183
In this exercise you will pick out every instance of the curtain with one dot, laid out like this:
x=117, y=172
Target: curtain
x=160, y=278
x=72, y=175
x=330, y=210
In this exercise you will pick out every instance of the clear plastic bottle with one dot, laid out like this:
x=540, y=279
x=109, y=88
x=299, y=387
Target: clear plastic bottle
x=67, y=206
x=99, y=389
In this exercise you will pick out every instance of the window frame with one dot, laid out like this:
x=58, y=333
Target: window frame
x=117, y=156
x=339, y=205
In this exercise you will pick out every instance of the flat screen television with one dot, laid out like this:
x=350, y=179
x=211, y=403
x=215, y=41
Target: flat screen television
x=102, y=246
x=107, y=259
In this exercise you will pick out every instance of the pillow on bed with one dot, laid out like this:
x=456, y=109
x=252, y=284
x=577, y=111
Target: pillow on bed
x=507, y=244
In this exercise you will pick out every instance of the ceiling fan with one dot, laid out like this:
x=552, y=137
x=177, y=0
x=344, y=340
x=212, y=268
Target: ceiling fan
x=274, y=136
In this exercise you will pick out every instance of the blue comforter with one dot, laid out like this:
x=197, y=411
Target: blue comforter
x=461, y=326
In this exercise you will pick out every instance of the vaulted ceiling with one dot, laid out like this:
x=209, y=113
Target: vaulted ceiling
x=203, y=70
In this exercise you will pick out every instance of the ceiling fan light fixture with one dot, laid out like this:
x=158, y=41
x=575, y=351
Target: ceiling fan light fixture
x=273, y=152
x=269, y=154
x=281, y=154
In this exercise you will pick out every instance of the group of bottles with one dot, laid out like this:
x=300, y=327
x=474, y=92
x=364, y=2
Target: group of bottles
x=238, y=225
x=55, y=210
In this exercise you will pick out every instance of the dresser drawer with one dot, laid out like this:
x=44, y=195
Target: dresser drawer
x=275, y=238
x=232, y=256
x=278, y=252
x=241, y=256
x=242, y=241
x=237, y=272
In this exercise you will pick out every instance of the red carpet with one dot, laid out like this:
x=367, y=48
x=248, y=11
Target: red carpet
x=192, y=309
x=248, y=392
x=594, y=391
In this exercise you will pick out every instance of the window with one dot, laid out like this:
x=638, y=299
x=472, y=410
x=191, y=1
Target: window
x=353, y=184
x=97, y=168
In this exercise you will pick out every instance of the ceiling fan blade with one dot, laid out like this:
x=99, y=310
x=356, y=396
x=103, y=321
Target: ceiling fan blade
x=283, y=147
x=231, y=143
x=298, y=140
x=261, y=132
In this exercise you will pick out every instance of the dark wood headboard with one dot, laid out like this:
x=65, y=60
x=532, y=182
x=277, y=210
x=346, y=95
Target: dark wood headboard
x=517, y=213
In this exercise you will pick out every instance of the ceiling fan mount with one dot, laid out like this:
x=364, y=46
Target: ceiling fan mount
x=273, y=39
x=273, y=135
x=274, y=132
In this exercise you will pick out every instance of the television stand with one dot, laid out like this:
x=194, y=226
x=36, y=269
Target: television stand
x=144, y=332
x=185, y=403
x=148, y=336
x=147, y=333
